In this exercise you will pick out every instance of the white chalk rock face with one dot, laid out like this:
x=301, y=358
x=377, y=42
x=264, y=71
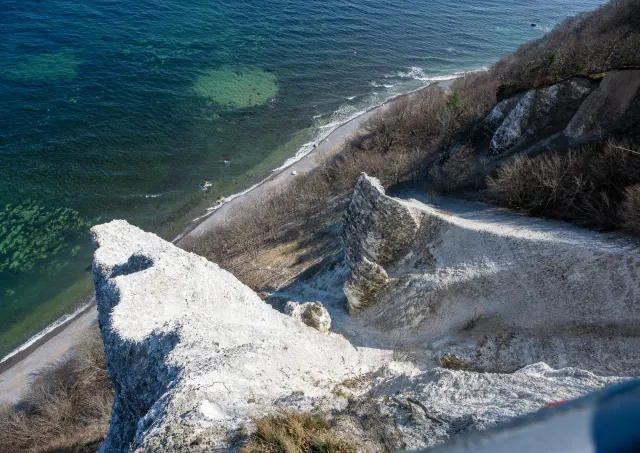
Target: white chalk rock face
x=514, y=125
x=377, y=230
x=194, y=354
x=505, y=289
x=432, y=406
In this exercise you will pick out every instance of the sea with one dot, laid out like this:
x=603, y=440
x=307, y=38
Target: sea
x=150, y=110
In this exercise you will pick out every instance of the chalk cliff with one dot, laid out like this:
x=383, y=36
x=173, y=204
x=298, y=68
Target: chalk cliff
x=507, y=289
x=194, y=354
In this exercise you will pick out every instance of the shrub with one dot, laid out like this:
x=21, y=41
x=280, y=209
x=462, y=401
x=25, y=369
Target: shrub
x=590, y=43
x=461, y=169
x=585, y=185
x=415, y=138
x=293, y=432
x=452, y=362
x=67, y=406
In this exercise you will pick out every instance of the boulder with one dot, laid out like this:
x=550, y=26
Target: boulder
x=613, y=107
x=312, y=314
x=538, y=117
x=365, y=284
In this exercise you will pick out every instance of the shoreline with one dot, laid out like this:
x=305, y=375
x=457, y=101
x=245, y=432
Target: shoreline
x=48, y=332
x=45, y=349
x=301, y=163
x=19, y=365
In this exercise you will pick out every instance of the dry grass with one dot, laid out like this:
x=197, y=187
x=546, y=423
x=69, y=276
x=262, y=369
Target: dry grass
x=452, y=362
x=67, y=408
x=417, y=141
x=294, y=432
x=586, y=186
x=398, y=146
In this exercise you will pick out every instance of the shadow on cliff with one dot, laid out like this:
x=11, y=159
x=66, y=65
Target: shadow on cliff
x=138, y=370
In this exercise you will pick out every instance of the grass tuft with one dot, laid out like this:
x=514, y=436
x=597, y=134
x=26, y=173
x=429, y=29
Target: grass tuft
x=293, y=432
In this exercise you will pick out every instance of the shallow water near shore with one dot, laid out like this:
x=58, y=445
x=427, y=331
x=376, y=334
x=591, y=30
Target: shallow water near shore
x=121, y=109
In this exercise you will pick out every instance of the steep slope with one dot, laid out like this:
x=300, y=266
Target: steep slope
x=194, y=354
x=502, y=289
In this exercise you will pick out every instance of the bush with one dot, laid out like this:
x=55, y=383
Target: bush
x=67, y=406
x=453, y=362
x=415, y=141
x=586, y=185
x=461, y=170
x=294, y=432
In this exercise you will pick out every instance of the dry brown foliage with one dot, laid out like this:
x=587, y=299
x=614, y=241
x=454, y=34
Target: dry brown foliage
x=68, y=406
x=414, y=141
x=585, y=185
x=461, y=169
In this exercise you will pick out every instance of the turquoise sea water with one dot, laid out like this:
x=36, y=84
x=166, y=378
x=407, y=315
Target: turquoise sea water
x=120, y=109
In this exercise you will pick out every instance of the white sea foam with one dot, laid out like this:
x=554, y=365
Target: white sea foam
x=61, y=321
x=341, y=116
x=416, y=73
x=210, y=210
x=380, y=85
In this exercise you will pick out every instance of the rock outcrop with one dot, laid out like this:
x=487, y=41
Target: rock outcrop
x=499, y=289
x=312, y=314
x=415, y=410
x=614, y=106
x=569, y=113
x=194, y=354
x=377, y=231
x=537, y=116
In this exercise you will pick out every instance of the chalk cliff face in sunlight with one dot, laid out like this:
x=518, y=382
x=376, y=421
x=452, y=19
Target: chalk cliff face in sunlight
x=195, y=355
x=507, y=289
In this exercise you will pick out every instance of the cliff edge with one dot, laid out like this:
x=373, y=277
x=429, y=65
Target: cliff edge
x=194, y=354
x=500, y=288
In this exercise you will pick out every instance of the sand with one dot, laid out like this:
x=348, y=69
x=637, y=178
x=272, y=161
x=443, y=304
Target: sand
x=280, y=180
x=46, y=352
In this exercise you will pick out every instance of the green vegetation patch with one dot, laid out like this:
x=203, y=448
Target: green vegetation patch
x=47, y=66
x=30, y=233
x=452, y=362
x=237, y=87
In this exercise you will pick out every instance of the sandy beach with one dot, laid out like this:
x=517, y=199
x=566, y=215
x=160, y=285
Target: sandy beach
x=16, y=373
